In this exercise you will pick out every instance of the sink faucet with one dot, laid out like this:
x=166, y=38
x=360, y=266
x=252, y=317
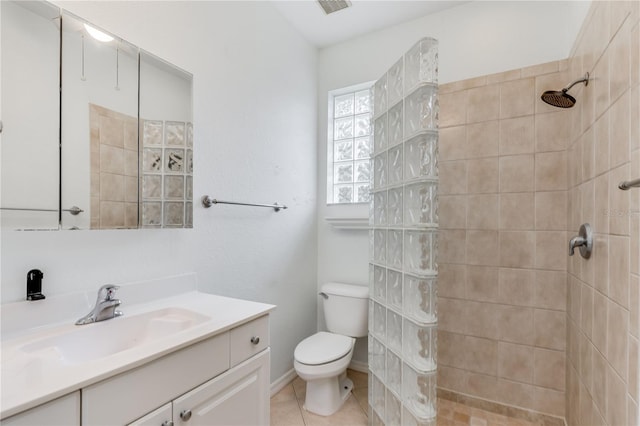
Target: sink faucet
x=105, y=307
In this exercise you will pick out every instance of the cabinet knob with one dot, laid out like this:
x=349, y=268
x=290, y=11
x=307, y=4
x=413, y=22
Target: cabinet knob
x=255, y=340
x=167, y=423
x=185, y=415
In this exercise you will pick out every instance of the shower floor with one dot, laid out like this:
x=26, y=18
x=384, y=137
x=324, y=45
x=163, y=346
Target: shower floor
x=286, y=409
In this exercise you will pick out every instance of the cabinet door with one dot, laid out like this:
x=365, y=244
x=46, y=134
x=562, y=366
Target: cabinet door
x=64, y=411
x=160, y=417
x=237, y=397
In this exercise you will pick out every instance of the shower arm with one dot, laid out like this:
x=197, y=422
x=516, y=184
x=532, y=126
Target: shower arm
x=584, y=80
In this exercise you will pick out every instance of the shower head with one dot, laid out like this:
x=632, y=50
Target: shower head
x=560, y=98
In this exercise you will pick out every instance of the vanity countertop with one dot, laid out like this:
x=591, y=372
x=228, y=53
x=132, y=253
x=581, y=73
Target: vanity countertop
x=31, y=379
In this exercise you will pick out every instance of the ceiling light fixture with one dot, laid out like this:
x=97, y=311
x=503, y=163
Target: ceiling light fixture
x=330, y=6
x=97, y=34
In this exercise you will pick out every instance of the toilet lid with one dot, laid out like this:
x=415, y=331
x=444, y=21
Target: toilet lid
x=322, y=348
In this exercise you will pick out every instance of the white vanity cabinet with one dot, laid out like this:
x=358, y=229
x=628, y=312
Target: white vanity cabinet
x=64, y=411
x=238, y=396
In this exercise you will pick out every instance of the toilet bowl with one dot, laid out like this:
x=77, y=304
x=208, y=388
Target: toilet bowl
x=322, y=359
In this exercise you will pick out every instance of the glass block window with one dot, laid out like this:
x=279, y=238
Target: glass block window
x=350, y=139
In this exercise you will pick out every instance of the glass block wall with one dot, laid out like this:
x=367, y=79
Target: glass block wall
x=403, y=241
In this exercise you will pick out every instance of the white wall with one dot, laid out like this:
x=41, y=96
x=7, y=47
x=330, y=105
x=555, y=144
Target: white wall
x=254, y=122
x=476, y=38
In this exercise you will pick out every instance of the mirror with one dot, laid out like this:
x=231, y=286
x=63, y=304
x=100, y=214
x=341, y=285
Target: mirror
x=122, y=118
x=29, y=148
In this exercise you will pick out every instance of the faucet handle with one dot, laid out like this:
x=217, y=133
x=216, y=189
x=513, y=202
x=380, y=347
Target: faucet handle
x=107, y=292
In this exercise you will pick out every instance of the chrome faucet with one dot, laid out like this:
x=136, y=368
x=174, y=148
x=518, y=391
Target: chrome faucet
x=584, y=240
x=105, y=307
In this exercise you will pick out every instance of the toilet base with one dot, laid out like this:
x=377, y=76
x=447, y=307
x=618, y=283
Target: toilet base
x=326, y=396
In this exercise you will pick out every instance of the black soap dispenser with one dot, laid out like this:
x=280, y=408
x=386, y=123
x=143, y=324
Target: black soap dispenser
x=34, y=285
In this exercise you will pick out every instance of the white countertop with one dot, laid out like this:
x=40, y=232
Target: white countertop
x=30, y=381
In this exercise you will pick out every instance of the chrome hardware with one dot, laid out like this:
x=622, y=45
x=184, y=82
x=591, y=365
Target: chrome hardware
x=584, y=240
x=74, y=210
x=1, y=126
x=323, y=294
x=167, y=423
x=185, y=415
x=208, y=202
x=105, y=307
x=628, y=184
x=255, y=340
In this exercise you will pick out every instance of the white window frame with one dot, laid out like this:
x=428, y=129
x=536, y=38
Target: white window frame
x=332, y=94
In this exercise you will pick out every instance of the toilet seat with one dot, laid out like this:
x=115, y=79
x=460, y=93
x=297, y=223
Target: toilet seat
x=323, y=348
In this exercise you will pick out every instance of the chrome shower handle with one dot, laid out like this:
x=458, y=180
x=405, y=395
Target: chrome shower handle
x=584, y=240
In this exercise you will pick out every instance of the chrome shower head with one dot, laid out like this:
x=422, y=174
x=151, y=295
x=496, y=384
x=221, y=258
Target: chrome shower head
x=560, y=98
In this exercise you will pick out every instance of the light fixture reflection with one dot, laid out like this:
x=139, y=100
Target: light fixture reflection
x=97, y=34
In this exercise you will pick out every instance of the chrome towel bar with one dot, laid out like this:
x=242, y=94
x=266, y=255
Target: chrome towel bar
x=74, y=210
x=628, y=184
x=208, y=202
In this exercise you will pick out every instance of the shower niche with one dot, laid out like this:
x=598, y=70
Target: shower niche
x=97, y=132
x=403, y=241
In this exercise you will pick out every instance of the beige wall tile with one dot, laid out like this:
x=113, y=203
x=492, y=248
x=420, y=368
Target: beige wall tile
x=551, y=171
x=549, y=401
x=600, y=367
x=130, y=163
x=516, y=173
x=619, y=270
x=634, y=305
x=95, y=208
x=452, y=280
x=452, y=378
x=551, y=250
x=111, y=159
x=552, y=131
x=111, y=187
x=482, y=385
x=514, y=393
x=483, y=104
x=599, y=333
x=601, y=144
x=517, y=249
x=617, y=338
x=515, y=324
x=619, y=139
x=585, y=357
x=111, y=131
x=573, y=301
x=632, y=375
x=452, y=246
x=451, y=349
x=551, y=290
x=451, y=315
x=620, y=56
x=551, y=211
x=131, y=189
x=483, y=139
x=131, y=215
x=517, y=211
x=541, y=69
x=517, y=135
x=482, y=355
x=482, y=175
x=517, y=98
x=111, y=214
x=599, y=80
x=452, y=143
x=516, y=286
x=586, y=309
x=515, y=362
x=616, y=413
x=453, y=177
x=504, y=76
x=600, y=258
x=601, y=208
x=588, y=154
x=452, y=211
x=550, y=329
x=482, y=248
x=482, y=319
x=619, y=208
x=482, y=283
x=482, y=212
x=453, y=108
x=549, y=368
x=131, y=134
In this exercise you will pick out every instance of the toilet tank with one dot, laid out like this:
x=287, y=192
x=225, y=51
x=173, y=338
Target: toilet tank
x=346, y=308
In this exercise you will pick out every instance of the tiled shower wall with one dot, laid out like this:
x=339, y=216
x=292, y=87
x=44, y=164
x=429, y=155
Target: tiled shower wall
x=602, y=313
x=503, y=242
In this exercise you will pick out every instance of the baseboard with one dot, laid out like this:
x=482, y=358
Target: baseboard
x=283, y=381
x=360, y=366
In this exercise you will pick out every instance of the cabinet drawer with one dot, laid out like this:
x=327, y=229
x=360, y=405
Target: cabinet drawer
x=248, y=339
x=64, y=411
x=134, y=393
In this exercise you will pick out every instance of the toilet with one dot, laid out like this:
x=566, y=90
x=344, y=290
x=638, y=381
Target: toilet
x=322, y=359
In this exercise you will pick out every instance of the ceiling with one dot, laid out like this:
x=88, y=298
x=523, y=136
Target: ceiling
x=362, y=17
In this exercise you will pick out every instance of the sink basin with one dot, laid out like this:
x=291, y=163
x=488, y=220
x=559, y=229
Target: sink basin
x=93, y=341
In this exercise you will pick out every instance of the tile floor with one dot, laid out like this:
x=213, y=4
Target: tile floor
x=286, y=409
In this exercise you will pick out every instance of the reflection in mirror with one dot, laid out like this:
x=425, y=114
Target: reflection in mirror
x=30, y=115
x=166, y=134
x=99, y=127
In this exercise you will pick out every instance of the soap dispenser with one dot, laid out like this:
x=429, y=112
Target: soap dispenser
x=34, y=285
